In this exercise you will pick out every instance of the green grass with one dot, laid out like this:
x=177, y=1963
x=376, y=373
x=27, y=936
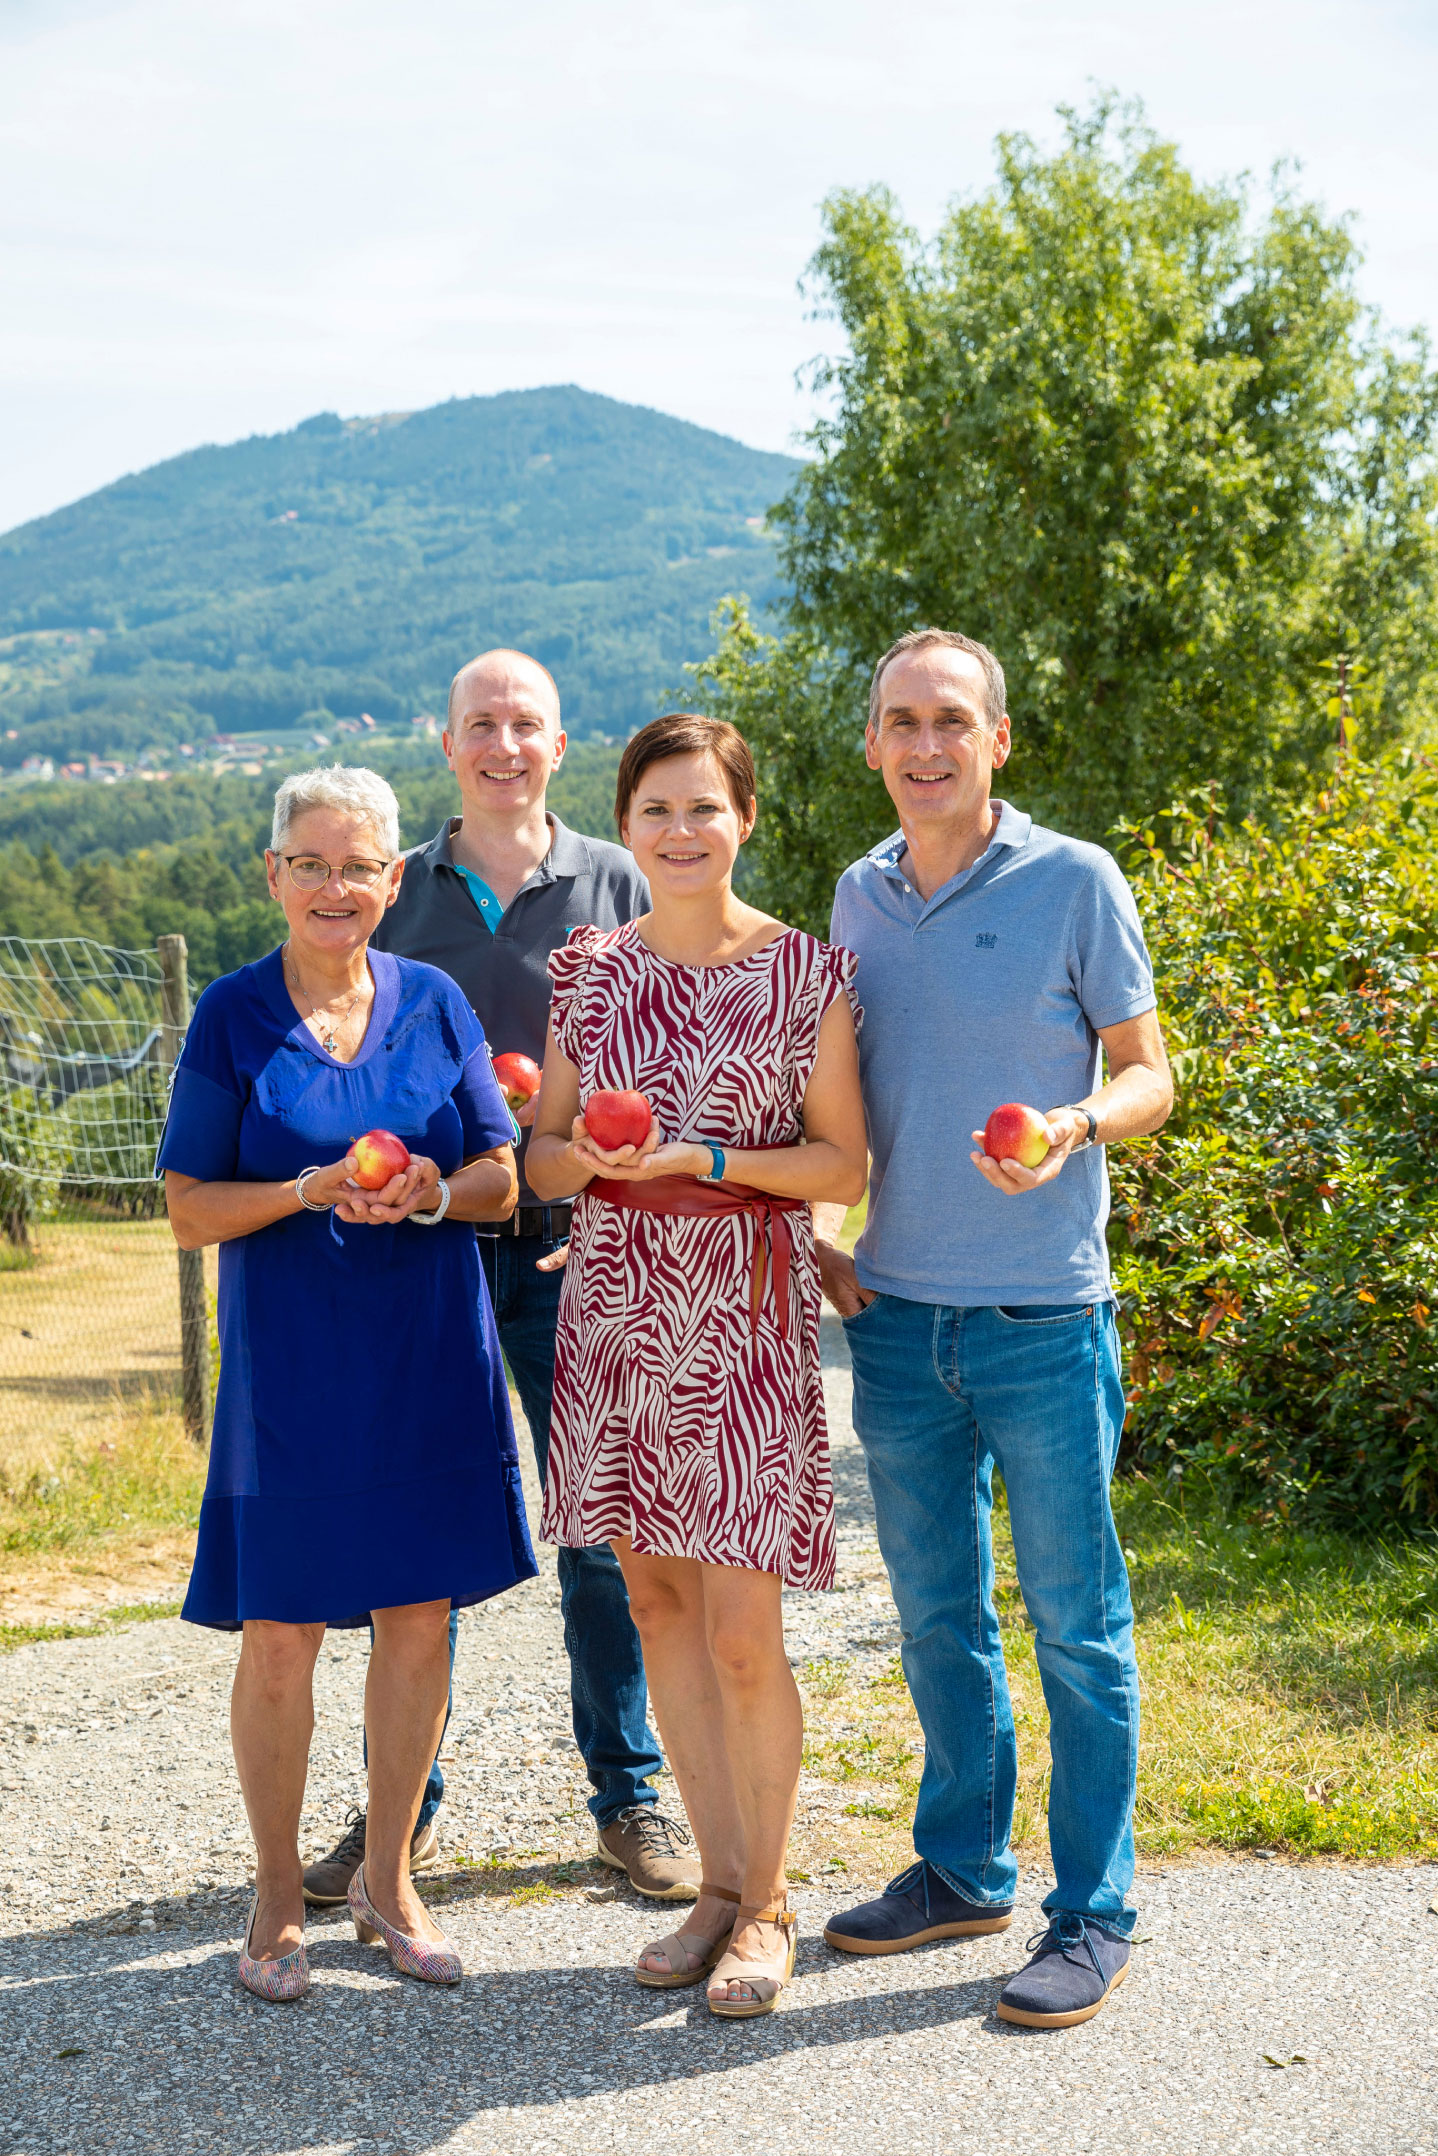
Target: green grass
x=1290, y=1692
x=149, y=1477
x=25, y=1635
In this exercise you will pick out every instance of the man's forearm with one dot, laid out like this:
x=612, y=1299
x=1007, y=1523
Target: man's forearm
x=828, y=1221
x=1134, y=1101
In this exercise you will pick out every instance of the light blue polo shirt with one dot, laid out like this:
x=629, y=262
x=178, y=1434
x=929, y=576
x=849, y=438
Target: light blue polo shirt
x=992, y=990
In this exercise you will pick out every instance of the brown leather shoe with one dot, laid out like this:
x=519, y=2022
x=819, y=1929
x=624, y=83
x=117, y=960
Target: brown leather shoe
x=646, y=1845
x=327, y=1883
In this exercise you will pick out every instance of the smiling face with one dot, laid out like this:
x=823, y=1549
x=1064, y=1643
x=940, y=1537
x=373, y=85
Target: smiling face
x=682, y=826
x=933, y=743
x=338, y=918
x=503, y=739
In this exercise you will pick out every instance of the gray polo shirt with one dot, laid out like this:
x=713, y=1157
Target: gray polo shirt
x=992, y=990
x=504, y=971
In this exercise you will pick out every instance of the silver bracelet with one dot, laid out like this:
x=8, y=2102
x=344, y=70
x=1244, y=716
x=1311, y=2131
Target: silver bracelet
x=432, y=1220
x=308, y=1203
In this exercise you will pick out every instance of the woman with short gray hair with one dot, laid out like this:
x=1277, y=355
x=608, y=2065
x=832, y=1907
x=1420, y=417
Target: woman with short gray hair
x=363, y=1469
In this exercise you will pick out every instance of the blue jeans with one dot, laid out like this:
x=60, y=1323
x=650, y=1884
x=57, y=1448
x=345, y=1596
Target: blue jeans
x=942, y=1397
x=609, y=1700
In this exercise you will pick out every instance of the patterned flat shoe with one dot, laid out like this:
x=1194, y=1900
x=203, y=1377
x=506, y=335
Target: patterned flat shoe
x=287, y=1976
x=689, y=1954
x=433, y=1961
x=763, y=1979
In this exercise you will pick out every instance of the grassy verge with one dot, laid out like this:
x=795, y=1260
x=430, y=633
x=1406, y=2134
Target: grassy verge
x=25, y=1635
x=146, y=1476
x=1290, y=1693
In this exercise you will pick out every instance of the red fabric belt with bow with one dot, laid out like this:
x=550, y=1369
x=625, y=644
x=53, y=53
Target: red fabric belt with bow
x=687, y=1196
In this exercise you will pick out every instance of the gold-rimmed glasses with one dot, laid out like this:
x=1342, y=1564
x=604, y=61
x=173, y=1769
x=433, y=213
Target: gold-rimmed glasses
x=310, y=873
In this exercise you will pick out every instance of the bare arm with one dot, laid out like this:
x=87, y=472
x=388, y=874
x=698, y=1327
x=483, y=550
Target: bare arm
x=485, y=1188
x=831, y=1163
x=1138, y=1098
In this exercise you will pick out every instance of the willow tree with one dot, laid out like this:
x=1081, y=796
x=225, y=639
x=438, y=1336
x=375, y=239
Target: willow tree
x=1139, y=436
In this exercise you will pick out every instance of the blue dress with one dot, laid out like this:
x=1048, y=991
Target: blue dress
x=363, y=1453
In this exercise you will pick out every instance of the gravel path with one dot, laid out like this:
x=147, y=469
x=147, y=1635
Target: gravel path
x=122, y=1900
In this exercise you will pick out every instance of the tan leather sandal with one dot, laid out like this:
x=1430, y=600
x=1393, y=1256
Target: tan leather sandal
x=764, y=1979
x=680, y=1954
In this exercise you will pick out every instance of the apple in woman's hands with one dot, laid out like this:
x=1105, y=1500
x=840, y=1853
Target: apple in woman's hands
x=601, y=1159
x=399, y=1197
x=379, y=1157
x=615, y=1119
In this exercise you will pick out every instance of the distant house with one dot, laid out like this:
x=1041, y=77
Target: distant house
x=426, y=722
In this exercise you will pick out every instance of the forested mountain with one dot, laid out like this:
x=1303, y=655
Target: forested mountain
x=352, y=564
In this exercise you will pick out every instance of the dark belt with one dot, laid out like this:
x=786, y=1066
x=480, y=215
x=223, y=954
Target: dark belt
x=551, y=1222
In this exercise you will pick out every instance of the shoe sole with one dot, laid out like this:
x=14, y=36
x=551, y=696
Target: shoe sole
x=966, y=1930
x=1060, y=2021
x=683, y=1891
x=422, y=1860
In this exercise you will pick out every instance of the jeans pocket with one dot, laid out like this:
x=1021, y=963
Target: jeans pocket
x=855, y=1317
x=1043, y=1313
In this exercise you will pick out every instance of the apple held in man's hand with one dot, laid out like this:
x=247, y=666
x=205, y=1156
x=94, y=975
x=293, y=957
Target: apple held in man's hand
x=379, y=1155
x=1015, y=1132
x=518, y=1078
x=615, y=1119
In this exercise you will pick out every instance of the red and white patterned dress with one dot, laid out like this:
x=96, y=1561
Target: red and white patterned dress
x=677, y=1421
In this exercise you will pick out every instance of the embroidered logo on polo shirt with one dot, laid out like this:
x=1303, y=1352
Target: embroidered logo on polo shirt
x=986, y=943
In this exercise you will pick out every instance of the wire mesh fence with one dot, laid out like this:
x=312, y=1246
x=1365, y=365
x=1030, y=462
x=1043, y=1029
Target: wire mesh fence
x=90, y=1289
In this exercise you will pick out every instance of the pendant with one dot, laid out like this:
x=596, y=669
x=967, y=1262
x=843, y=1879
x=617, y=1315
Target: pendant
x=327, y=1042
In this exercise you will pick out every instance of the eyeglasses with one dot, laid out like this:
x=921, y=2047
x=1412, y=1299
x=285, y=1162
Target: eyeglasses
x=312, y=874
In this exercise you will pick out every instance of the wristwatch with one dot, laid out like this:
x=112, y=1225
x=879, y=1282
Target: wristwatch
x=1092, y=1120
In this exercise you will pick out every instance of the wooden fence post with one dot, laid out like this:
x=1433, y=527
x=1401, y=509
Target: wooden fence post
x=194, y=1318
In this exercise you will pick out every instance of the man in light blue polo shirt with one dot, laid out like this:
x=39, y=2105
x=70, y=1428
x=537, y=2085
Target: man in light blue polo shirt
x=998, y=962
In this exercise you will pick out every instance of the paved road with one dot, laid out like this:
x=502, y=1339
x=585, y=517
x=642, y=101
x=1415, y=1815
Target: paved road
x=122, y=1901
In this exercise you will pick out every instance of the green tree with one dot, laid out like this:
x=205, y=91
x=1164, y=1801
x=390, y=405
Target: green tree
x=1136, y=435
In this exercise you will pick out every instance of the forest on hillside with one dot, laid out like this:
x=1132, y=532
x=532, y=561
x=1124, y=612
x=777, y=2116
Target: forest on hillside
x=353, y=565
x=128, y=863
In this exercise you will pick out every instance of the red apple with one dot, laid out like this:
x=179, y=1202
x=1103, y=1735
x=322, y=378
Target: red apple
x=518, y=1078
x=379, y=1155
x=615, y=1119
x=1015, y=1132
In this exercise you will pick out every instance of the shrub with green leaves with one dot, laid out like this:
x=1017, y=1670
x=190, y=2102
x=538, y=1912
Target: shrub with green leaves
x=1276, y=1246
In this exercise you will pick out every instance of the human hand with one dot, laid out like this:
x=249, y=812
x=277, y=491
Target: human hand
x=1065, y=1128
x=840, y=1281
x=621, y=1160
x=525, y=1114
x=553, y=1260
x=416, y=1190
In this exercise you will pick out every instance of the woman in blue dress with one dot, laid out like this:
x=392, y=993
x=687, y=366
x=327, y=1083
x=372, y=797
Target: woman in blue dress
x=363, y=1464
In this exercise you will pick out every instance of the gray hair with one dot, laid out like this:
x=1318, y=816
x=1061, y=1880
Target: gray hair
x=995, y=691
x=347, y=787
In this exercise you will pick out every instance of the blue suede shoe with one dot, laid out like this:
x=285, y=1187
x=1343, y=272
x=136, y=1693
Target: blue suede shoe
x=917, y=1906
x=1076, y=1966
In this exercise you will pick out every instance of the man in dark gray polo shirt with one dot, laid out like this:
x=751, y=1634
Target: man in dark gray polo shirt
x=493, y=893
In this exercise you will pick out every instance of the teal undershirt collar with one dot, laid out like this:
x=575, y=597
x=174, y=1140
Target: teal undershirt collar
x=490, y=910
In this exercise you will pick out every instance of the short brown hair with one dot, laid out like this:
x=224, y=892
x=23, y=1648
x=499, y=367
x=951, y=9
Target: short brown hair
x=686, y=733
x=995, y=690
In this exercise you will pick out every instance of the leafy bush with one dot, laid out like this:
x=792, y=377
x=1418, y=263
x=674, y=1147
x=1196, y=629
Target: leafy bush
x=1276, y=1247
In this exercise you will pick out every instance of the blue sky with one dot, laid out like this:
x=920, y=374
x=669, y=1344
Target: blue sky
x=216, y=219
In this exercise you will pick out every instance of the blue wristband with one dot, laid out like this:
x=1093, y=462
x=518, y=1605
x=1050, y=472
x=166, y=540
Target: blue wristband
x=716, y=1164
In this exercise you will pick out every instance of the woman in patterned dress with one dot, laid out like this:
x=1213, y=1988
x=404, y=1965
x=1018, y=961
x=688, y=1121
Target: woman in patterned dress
x=688, y=1422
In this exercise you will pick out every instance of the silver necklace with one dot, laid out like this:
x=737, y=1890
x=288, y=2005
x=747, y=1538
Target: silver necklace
x=327, y=1036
